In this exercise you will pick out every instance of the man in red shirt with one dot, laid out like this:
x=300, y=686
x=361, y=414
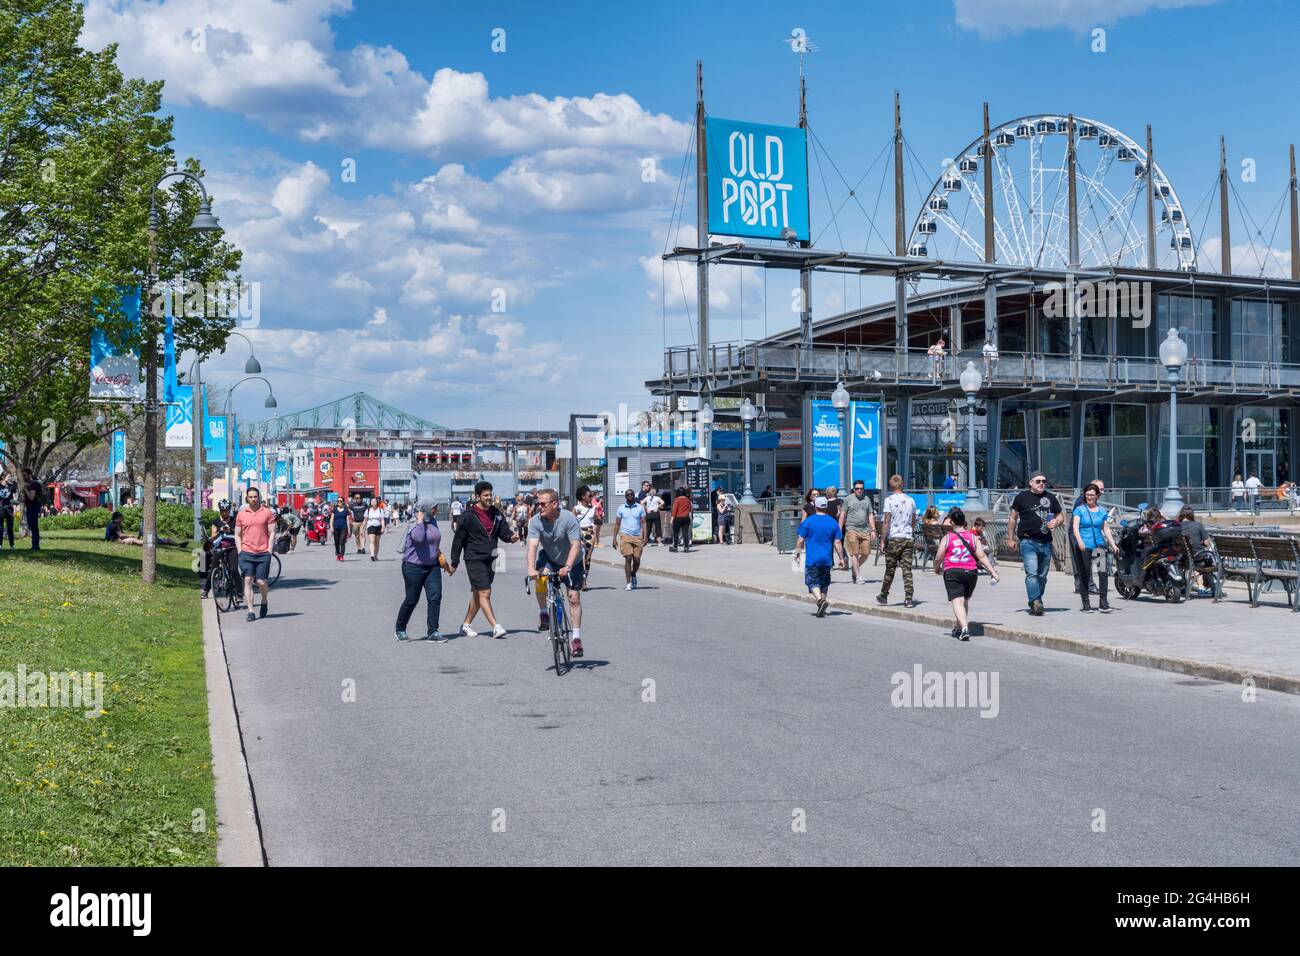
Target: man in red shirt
x=682, y=509
x=254, y=528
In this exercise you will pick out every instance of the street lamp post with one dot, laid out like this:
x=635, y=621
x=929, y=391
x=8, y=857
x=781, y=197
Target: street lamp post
x=230, y=441
x=1173, y=355
x=971, y=381
x=203, y=221
x=747, y=415
x=840, y=399
x=705, y=422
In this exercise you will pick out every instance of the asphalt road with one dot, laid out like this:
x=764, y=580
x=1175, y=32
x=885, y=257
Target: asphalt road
x=771, y=739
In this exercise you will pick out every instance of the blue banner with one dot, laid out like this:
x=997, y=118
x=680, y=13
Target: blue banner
x=214, y=438
x=865, y=440
x=169, y=362
x=825, y=444
x=947, y=500
x=180, y=417
x=117, y=460
x=247, y=461
x=265, y=470
x=115, y=371
x=281, y=471
x=758, y=179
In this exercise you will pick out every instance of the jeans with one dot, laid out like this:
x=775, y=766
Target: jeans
x=33, y=526
x=340, y=541
x=1037, y=556
x=417, y=577
x=7, y=528
x=682, y=532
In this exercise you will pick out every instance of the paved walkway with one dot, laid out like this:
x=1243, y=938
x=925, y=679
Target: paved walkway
x=1225, y=641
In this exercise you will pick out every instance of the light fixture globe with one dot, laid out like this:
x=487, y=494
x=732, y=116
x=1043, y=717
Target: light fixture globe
x=1173, y=351
x=840, y=397
x=747, y=411
x=971, y=380
x=705, y=415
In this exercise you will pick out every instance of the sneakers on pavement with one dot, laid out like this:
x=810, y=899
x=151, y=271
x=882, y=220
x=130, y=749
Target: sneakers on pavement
x=956, y=631
x=882, y=599
x=1036, y=608
x=909, y=603
x=436, y=638
x=499, y=632
x=467, y=631
x=402, y=636
x=821, y=607
x=964, y=635
x=251, y=617
x=628, y=586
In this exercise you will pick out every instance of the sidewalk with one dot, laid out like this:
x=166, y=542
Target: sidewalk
x=1229, y=641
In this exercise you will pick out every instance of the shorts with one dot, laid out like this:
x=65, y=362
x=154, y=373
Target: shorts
x=379, y=529
x=577, y=574
x=959, y=582
x=629, y=546
x=480, y=574
x=818, y=577
x=858, y=543
x=255, y=566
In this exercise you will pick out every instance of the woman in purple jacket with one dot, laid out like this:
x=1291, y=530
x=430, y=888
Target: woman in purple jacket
x=422, y=565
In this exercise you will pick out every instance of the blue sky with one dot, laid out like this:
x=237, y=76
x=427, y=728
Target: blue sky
x=520, y=170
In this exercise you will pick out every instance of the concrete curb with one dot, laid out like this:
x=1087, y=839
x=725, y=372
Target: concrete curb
x=239, y=833
x=1228, y=673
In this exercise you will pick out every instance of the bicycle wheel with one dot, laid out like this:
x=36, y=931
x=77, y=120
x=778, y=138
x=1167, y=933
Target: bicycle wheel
x=229, y=589
x=275, y=570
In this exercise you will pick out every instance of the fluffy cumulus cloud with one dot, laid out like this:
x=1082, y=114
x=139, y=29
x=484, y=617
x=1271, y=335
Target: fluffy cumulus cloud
x=277, y=63
x=998, y=17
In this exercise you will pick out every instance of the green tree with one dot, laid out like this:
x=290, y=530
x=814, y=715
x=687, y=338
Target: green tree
x=80, y=149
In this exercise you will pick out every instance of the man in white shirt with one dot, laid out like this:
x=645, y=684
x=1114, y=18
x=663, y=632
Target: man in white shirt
x=1252, y=491
x=900, y=549
x=457, y=509
x=990, y=352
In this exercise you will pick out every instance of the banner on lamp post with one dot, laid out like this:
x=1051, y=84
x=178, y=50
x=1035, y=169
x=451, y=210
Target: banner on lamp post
x=115, y=370
x=180, y=418
x=214, y=438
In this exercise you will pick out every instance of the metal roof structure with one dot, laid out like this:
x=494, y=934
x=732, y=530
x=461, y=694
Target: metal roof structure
x=356, y=411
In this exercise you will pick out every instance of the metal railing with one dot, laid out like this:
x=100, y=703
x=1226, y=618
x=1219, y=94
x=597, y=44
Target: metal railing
x=729, y=359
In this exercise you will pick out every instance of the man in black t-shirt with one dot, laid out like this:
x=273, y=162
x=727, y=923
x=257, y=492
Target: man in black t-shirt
x=33, y=496
x=358, y=509
x=1034, y=513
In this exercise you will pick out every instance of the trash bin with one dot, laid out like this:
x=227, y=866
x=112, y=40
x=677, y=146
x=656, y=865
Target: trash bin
x=787, y=528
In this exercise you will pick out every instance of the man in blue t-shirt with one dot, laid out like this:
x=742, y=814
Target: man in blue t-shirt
x=817, y=534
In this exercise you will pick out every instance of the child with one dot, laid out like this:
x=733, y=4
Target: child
x=978, y=530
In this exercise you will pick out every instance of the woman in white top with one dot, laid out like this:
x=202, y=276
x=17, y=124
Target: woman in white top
x=375, y=516
x=585, y=511
x=1238, y=493
x=936, y=353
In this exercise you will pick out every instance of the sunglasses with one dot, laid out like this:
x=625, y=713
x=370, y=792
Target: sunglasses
x=1038, y=481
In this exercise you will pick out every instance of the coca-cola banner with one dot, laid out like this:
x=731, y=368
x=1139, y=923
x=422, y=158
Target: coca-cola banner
x=114, y=369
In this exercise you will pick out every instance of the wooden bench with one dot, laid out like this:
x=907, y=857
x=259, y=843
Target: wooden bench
x=1257, y=561
x=927, y=543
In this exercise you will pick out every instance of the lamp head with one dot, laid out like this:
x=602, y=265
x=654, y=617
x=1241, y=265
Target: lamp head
x=840, y=397
x=271, y=402
x=971, y=380
x=1173, y=351
x=747, y=411
x=204, y=221
x=705, y=414
x=252, y=366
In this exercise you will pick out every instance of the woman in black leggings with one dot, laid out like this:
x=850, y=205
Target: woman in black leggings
x=339, y=516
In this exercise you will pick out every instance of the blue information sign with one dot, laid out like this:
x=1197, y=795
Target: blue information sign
x=758, y=179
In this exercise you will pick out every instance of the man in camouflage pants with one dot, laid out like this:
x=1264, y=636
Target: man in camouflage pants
x=900, y=516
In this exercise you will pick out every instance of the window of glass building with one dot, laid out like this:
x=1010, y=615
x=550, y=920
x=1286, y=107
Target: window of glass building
x=1194, y=317
x=1258, y=331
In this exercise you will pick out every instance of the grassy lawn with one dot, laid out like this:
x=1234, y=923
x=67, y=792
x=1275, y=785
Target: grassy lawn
x=121, y=789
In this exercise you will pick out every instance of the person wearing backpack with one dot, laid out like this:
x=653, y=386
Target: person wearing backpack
x=33, y=499
x=958, y=559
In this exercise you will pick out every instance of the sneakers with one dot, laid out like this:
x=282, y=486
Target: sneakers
x=251, y=617
x=1104, y=606
x=373, y=558
x=1087, y=607
x=882, y=599
x=628, y=586
x=909, y=603
x=1036, y=608
x=436, y=638
x=955, y=632
x=673, y=549
x=467, y=631
x=964, y=635
x=543, y=621
x=576, y=647
x=402, y=636
x=821, y=607
x=499, y=632
x=338, y=557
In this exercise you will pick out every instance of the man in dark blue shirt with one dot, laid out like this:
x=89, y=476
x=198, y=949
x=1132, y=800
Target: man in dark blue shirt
x=817, y=536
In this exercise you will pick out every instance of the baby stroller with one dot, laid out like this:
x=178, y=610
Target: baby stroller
x=317, y=529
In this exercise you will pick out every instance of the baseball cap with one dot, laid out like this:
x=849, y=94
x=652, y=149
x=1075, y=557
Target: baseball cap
x=426, y=505
x=819, y=501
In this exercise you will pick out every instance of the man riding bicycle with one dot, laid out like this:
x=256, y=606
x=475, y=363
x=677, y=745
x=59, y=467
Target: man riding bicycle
x=222, y=526
x=555, y=547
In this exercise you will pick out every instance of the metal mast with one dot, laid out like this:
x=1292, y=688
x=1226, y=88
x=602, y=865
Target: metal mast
x=702, y=226
x=1151, y=203
x=1224, y=229
x=988, y=191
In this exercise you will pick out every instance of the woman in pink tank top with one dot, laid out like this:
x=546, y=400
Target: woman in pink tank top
x=958, y=559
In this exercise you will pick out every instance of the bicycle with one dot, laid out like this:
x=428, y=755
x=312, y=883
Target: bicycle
x=556, y=599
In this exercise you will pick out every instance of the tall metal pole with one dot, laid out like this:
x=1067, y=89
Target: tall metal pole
x=1224, y=226
x=196, y=431
x=748, y=497
x=900, y=243
x=805, y=274
x=844, y=457
x=1074, y=193
x=1295, y=223
x=970, y=429
x=1151, y=202
x=989, y=247
x=1173, y=502
x=701, y=225
x=149, y=517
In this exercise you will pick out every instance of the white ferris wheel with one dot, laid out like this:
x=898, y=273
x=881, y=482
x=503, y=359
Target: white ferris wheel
x=1031, y=200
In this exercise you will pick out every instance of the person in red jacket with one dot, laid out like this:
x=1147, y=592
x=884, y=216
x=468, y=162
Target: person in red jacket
x=682, y=510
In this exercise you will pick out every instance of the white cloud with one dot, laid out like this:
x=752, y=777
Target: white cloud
x=298, y=192
x=992, y=18
x=277, y=63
